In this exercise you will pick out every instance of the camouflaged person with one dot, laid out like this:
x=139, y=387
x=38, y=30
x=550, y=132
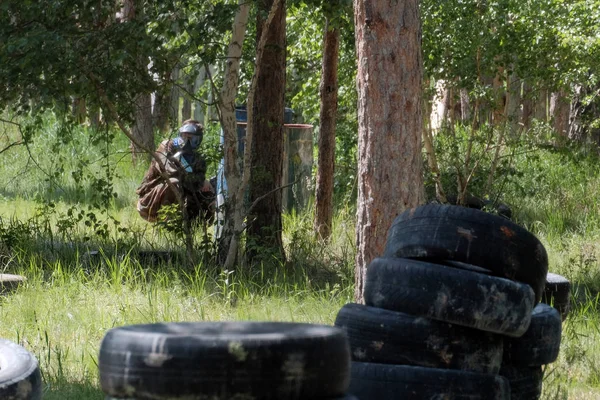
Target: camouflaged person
x=185, y=168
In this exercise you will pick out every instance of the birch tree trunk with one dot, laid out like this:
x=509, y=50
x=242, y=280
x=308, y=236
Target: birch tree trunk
x=234, y=221
x=439, y=107
x=389, y=80
x=234, y=206
x=327, y=118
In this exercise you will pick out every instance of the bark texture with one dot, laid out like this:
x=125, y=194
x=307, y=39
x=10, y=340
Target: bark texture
x=142, y=129
x=389, y=79
x=327, y=118
x=540, y=111
x=513, y=103
x=267, y=126
x=234, y=207
x=559, y=111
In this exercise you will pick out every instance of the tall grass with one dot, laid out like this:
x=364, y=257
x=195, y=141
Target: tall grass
x=80, y=285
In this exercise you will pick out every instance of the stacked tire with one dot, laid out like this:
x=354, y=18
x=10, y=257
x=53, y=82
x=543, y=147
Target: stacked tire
x=557, y=293
x=20, y=377
x=453, y=286
x=225, y=360
x=525, y=356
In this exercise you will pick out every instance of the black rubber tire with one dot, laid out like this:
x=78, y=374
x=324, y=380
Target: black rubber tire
x=540, y=344
x=449, y=294
x=9, y=283
x=225, y=360
x=525, y=382
x=20, y=377
x=391, y=382
x=478, y=203
x=557, y=293
x=389, y=337
x=470, y=236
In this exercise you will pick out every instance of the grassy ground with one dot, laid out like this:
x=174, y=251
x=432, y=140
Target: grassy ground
x=72, y=297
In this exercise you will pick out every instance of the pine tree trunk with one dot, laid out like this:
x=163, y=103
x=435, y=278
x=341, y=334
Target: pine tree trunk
x=465, y=106
x=186, y=111
x=198, y=106
x=513, y=103
x=389, y=78
x=559, y=112
x=94, y=115
x=498, y=115
x=160, y=111
x=528, y=106
x=79, y=109
x=327, y=117
x=264, y=224
x=143, y=127
x=174, y=98
x=540, y=111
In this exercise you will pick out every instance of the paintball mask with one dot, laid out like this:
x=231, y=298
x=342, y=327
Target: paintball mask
x=192, y=134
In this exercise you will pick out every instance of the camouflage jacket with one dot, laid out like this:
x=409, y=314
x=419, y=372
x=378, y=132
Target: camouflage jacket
x=173, y=167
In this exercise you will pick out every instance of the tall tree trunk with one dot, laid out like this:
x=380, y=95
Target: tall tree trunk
x=513, y=103
x=264, y=224
x=236, y=182
x=440, y=105
x=528, y=106
x=559, y=111
x=94, y=116
x=577, y=129
x=160, y=111
x=389, y=78
x=465, y=106
x=186, y=111
x=79, y=109
x=540, y=111
x=498, y=116
x=210, y=108
x=327, y=118
x=174, y=98
x=198, y=106
x=142, y=129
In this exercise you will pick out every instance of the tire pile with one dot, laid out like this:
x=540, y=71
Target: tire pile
x=450, y=311
x=225, y=360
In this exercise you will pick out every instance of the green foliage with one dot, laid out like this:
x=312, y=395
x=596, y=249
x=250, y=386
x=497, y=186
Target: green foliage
x=49, y=53
x=306, y=24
